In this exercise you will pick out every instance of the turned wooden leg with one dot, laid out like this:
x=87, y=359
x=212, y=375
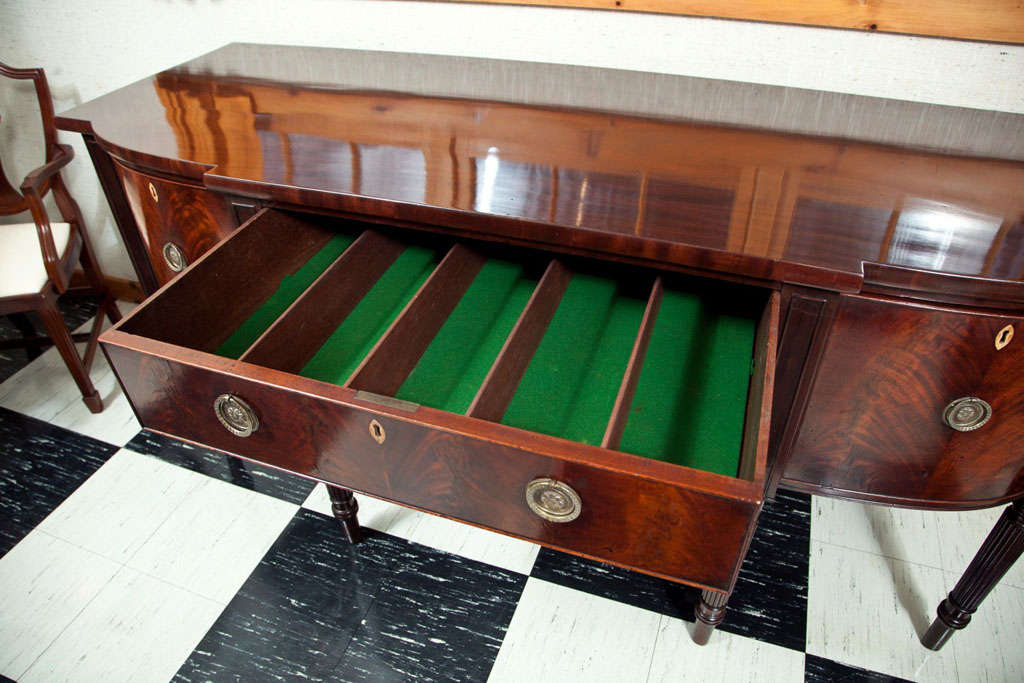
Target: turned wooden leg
x=61, y=337
x=345, y=508
x=998, y=553
x=710, y=612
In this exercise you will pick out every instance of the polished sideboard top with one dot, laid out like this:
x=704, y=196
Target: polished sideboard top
x=765, y=183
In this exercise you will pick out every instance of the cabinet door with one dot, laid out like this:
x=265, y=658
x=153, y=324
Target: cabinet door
x=875, y=426
x=178, y=222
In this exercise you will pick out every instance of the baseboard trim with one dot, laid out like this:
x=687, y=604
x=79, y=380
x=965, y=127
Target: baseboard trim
x=122, y=289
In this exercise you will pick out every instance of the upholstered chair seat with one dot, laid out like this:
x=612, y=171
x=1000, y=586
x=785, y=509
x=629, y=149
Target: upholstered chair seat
x=22, y=270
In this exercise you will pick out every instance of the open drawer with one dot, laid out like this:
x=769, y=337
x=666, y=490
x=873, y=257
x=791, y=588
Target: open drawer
x=605, y=410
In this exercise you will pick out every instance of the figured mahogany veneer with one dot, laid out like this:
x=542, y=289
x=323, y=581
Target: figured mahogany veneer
x=874, y=424
x=169, y=212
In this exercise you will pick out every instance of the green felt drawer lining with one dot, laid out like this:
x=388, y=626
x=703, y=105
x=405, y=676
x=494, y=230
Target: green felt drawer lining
x=353, y=339
x=289, y=290
x=690, y=399
x=570, y=385
x=456, y=362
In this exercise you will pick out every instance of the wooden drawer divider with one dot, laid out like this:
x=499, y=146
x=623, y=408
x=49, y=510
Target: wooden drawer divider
x=624, y=399
x=500, y=384
x=293, y=338
x=400, y=348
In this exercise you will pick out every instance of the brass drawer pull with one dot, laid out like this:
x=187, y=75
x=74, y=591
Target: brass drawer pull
x=175, y=257
x=553, y=500
x=967, y=414
x=153, y=194
x=236, y=415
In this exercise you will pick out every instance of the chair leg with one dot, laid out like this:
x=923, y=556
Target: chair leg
x=94, y=275
x=61, y=337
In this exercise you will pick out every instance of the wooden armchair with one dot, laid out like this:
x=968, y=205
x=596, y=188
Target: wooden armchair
x=38, y=258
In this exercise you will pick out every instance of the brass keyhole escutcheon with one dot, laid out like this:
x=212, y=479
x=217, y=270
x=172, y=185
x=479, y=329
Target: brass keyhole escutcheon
x=377, y=431
x=1004, y=337
x=152, y=193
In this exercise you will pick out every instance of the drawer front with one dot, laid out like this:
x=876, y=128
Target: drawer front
x=875, y=422
x=627, y=519
x=179, y=223
x=428, y=373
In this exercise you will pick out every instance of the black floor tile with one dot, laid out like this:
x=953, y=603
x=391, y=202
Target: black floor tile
x=318, y=608
x=259, y=478
x=770, y=599
x=441, y=617
x=294, y=616
x=769, y=602
x=821, y=670
x=615, y=583
x=40, y=465
x=75, y=310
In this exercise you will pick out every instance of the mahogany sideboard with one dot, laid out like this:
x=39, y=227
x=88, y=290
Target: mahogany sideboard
x=605, y=311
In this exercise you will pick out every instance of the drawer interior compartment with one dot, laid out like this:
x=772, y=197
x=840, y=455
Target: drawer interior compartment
x=654, y=365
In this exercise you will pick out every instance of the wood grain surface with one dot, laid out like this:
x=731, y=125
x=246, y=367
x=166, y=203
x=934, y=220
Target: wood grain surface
x=989, y=20
x=874, y=421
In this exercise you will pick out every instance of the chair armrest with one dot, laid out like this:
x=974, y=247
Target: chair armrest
x=35, y=181
x=34, y=188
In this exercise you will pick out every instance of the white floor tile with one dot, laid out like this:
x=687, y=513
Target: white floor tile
x=45, y=390
x=122, y=505
x=989, y=648
x=561, y=634
x=866, y=610
x=477, y=544
x=962, y=534
x=137, y=629
x=214, y=539
x=44, y=584
x=727, y=657
x=909, y=535
x=373, y=512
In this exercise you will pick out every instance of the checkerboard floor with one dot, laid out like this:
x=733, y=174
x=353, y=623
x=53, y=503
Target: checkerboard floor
x=125, y=555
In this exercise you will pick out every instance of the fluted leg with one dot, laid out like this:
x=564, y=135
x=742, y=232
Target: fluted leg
x=710, y=612
x=998, y=553
x=345, y=509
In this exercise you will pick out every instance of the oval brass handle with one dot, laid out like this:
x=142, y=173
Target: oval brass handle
x=153, y=194
x=966, y=414
x=175, y=257
x=236, y=415
x=553, y=500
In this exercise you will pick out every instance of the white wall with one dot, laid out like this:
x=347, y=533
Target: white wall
x=89, y=48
